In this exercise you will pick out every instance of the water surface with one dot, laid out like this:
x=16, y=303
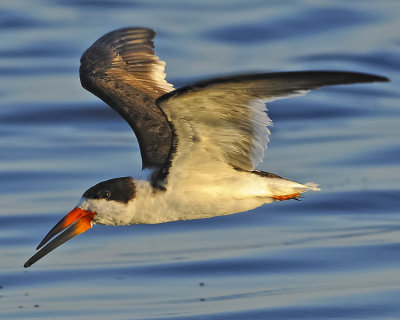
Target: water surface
x=333, y=255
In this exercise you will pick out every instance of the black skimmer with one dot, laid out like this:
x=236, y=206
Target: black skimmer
x=200, y=144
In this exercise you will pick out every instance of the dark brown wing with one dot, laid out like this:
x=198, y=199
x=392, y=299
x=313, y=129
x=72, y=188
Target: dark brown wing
x=122, y=69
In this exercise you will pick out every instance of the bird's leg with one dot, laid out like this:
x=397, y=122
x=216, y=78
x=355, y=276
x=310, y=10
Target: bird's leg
x=287, y=196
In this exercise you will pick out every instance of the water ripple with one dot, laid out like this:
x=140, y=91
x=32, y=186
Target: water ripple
x=303, y=23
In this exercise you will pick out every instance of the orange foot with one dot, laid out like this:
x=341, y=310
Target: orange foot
x=287, y=197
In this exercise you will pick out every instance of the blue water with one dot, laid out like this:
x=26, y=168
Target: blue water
x=333, y=255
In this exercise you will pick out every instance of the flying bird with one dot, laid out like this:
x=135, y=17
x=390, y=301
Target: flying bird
x=200, y=144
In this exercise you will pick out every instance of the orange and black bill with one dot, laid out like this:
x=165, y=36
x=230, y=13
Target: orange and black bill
x=79, y=219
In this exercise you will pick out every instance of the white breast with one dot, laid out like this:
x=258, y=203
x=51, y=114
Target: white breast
x=199, y=195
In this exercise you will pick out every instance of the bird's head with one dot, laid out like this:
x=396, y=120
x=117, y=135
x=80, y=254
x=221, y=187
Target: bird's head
x=105, y=203
x=109, y=201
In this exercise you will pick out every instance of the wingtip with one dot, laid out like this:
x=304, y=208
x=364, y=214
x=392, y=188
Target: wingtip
x=345, y=77
x=369, y=77
x=374, y=77
x=382, y=79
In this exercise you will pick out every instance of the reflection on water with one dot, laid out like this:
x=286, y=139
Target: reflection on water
x=332, y=255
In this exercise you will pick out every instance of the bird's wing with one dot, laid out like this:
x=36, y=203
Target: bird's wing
x=225, y=119
x=122, y=69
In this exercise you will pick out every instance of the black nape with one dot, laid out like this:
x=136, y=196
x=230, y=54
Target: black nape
x=118, y=189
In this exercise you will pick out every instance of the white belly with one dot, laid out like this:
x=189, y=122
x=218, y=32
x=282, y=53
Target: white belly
x=204, y=197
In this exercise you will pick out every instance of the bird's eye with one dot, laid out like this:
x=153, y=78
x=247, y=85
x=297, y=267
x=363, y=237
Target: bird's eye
x=103, y=195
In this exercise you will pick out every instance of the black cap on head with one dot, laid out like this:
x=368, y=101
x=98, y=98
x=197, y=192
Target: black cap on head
x=118, y=189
